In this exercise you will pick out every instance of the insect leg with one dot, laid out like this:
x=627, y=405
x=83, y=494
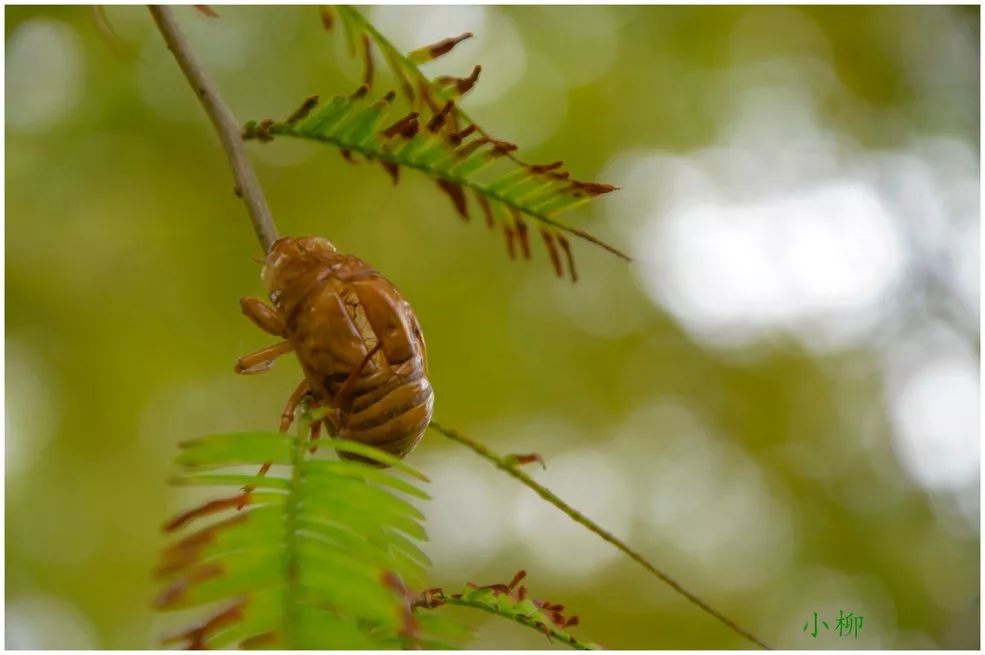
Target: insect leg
x=343, y=397
x=287, y=416
x=262, y=360
x=313, y=436
x=263, y=315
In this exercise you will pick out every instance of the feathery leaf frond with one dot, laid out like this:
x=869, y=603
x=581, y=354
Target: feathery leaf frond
x=510, y=601
x=318, y=557
x=507, y=192
x=437, y=138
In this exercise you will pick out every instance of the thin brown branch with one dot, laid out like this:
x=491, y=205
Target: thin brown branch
x=225, y=124
x=545, y=493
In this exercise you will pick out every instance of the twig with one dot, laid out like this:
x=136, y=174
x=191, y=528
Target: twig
x=247, y=187
x=578, y=517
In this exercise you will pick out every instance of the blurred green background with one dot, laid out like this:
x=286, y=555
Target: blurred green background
x=777, y=402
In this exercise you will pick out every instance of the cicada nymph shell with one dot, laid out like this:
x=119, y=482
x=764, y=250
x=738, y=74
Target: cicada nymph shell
x=357, y=340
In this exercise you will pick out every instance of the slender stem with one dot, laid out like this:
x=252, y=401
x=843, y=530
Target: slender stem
x=578, y=517
x=225, y=124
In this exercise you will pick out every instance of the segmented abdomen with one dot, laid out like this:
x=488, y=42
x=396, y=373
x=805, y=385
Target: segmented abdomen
x=344, y=313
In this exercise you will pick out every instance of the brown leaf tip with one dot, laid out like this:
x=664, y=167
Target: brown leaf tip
x=406, y=127
x=368, y=60
x=301, y=112
x=486, y=209
x=555, y=259
x=566, y=247
x=185, y=552
x=462, y=84
x=393, y=170
x=327, y=18
x=457, y=196
x=521, y=232
x=592, y=188
x=445, y=46
x=510, y=246
x=205, y=509
x=196, y=637
x=175, y=593
x=502, y=147
x=434, y=125
x=530, y=458
x=206, y=10
x=539, y=169
x=520, y=575
x=457, y=137
x=470, y=147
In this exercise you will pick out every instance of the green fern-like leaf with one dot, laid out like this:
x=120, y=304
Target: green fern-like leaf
x=320, y=556
x=510, y=601
x=456, y=159
x=438, y=139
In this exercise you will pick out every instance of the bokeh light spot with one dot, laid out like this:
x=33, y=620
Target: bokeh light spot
x=44, y=622
x=31, y=409
x=45, y=73
x=936, y=414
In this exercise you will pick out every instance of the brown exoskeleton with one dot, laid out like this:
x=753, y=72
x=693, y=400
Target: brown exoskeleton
x=359, y=344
